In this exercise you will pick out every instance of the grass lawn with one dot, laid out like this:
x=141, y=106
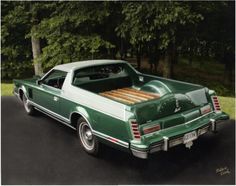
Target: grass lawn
x=227, y=103
x=6, y=89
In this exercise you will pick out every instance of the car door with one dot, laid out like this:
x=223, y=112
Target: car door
x=48, y=93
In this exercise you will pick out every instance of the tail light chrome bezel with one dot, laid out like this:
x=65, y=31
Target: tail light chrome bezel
x=216, y=103
x=135, y=129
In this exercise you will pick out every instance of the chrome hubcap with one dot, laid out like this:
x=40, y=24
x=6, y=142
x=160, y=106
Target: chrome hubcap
x=86, y=136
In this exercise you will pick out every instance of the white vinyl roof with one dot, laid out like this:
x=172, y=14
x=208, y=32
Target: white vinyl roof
x=81, y=64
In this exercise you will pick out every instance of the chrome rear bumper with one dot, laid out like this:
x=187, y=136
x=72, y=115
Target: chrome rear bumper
x=167, y=143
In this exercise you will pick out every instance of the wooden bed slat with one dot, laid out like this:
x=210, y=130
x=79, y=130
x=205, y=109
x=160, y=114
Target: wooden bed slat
x=123, y=96
x=142, y=92
x=129, y=95
x=118, y=99
x=137, y=94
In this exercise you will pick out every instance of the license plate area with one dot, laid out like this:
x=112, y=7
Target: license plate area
x=189, y=137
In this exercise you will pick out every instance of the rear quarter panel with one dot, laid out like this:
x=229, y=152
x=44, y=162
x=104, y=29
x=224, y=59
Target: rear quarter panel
x=105, y=124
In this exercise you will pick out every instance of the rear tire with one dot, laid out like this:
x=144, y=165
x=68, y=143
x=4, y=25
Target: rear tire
x=28, y=107
x=88, y=141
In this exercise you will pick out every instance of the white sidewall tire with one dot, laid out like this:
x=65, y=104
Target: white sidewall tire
x=87, y=139
x=28, y=107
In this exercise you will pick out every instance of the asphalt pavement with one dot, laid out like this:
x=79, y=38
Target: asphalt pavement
x=40, y=150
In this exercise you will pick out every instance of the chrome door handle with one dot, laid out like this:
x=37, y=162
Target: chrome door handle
x=55, y=98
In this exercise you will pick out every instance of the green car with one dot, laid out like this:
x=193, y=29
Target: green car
x=108, y=101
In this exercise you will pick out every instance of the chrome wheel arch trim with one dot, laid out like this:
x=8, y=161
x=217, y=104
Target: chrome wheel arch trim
x=26, y=103
x=82, y=115
x=22, y=88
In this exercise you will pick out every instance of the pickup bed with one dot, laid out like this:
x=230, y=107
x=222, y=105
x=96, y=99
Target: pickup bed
x=108, y=101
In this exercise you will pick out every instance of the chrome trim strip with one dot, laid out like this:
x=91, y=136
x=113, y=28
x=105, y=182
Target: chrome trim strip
x=51, y=112
x=199, y=117
x=46, y=74
x=83, y=117
x=187, y=122
x=104, y=136
x=50, y=87
x=55, y=118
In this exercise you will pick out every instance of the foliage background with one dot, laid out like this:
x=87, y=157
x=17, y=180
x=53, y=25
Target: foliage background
x=189, y=41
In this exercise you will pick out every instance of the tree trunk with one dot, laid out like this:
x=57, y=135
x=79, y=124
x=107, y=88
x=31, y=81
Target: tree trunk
x=138, y=61
x=35, y=42
x=121, y=49
x=131, y=53
x=157, y=58
x=138, y=57
x=167, y=66
x=36, y=52
x=190, y=57
x=175, y=55
x=155, y=66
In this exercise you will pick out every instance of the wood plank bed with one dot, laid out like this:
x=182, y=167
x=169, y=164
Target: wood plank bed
x=129, y=95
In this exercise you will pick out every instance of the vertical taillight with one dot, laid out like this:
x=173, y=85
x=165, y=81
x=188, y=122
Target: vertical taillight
x=134, y=129
x=216, y=103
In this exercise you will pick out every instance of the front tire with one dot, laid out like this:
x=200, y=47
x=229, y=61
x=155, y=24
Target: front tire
x=88, y=141
x=28, y=107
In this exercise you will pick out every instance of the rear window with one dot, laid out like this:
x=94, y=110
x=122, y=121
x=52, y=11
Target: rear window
x=99, y=72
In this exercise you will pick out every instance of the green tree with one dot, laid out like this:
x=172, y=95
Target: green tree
x=21, y=19
x=15, y=50
x=54, y=32
x=156, y=22
x=72, y=33
x=61, y=31
x=217, y=32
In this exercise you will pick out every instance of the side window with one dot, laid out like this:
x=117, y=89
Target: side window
x=55, y=79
